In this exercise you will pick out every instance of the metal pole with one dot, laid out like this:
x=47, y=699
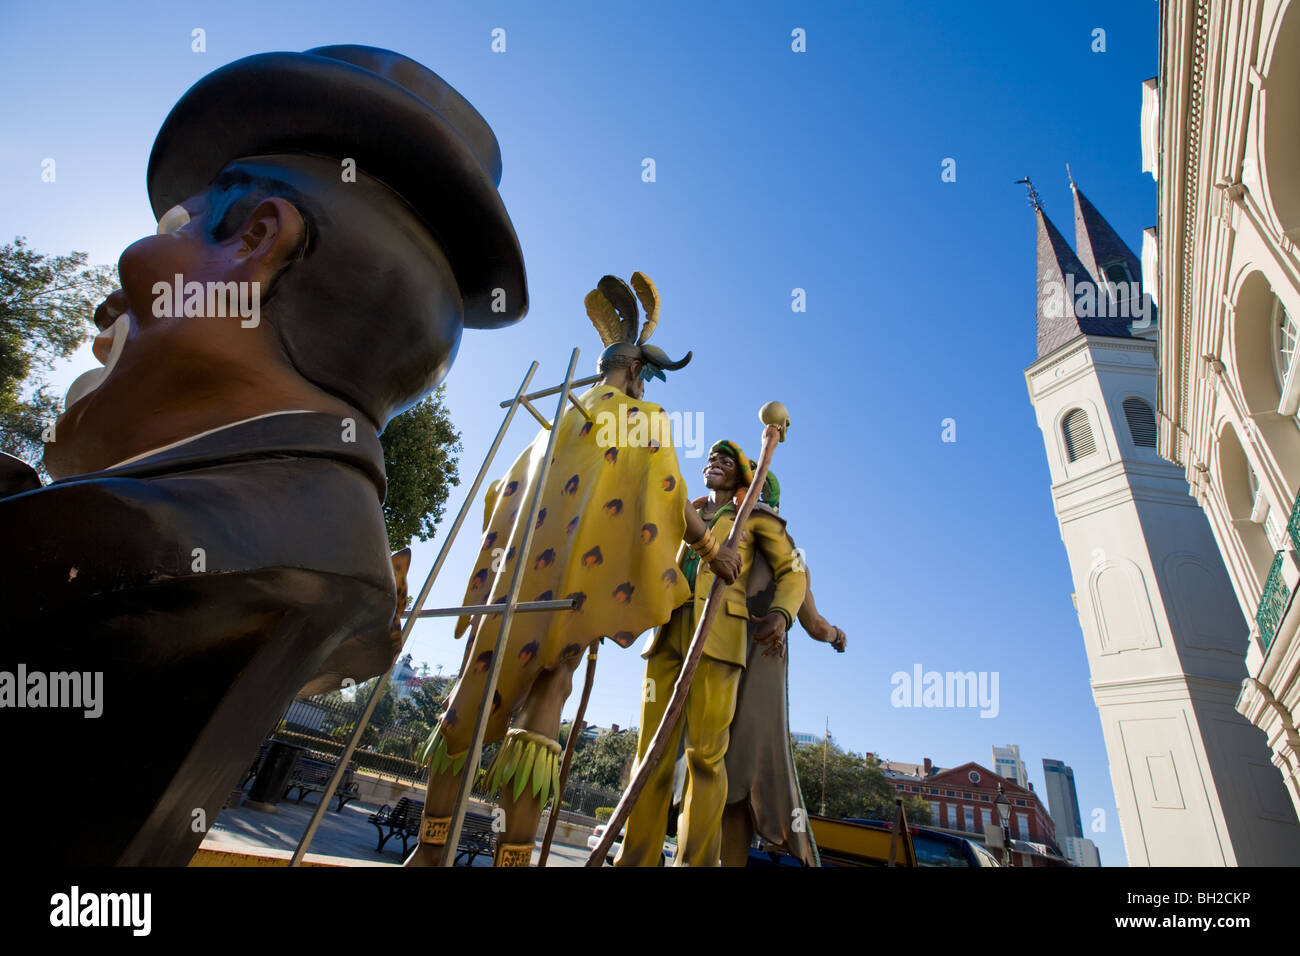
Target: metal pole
x=564, y=604
x=546, y=392
x=382, y=683
x=512, y=599
x=826, y=748
x=569, y=746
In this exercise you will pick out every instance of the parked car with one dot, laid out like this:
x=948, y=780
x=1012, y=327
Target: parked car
x=936, y=848
x=858, y=842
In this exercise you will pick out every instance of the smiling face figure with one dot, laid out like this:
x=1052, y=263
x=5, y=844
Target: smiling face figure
x=721, y=472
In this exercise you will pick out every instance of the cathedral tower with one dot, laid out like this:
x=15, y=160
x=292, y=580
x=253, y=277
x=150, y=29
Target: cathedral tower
x=1165, y=639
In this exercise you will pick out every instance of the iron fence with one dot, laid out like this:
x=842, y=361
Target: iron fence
x=322, y=723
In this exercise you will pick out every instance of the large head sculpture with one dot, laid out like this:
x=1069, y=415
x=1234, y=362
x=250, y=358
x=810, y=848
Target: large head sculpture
x=328, y=223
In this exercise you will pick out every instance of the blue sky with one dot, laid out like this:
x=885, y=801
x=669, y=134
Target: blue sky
x=775, y=170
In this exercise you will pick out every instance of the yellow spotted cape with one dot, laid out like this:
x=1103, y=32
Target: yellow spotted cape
x=609, y=525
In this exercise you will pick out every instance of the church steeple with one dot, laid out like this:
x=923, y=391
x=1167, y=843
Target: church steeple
x=1067, y=292
x=1101, y=250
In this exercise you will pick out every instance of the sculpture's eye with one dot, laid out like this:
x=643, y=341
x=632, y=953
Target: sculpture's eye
x=173, y=219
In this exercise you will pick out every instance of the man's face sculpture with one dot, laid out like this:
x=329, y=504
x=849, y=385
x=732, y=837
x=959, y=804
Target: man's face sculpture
x=721, y=472
x=143, y=335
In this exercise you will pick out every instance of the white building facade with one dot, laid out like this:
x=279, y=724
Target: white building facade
x=1221, y=136
x=1008, y=765
x=1163, y=631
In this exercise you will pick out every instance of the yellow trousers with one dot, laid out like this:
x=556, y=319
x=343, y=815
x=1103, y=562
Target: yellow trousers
x=706, y=723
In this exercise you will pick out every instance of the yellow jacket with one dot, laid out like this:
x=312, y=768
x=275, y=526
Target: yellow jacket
x=728, y=635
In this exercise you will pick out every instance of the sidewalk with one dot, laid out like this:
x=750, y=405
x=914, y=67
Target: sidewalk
x=343, y=839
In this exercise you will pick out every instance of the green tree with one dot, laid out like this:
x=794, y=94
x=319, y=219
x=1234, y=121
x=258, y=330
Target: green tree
x=47, y=307
x=602, y=761
x=421, y=709
x=855, y=785
x=420, y=457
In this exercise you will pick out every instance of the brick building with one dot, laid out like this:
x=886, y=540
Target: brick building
x=962, y=802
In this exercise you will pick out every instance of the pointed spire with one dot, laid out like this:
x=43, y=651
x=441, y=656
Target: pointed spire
x=1067, y=294
x=1098, y=244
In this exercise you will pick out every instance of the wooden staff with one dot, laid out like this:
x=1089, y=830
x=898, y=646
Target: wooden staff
x=773, y=432
x=569, y=746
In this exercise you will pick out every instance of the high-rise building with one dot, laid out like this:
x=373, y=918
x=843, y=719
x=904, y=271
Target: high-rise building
x=1062, y=798
x=1081, y=852
x=1163, y=632
x=1008, y=765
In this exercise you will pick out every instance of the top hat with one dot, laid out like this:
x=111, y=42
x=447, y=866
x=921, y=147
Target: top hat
x=403, y=125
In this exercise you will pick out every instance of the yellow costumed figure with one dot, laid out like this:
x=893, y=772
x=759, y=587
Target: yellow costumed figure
x=610, y=520
x=711, y=701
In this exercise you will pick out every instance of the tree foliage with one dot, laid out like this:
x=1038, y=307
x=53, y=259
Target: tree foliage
x=420, y=456
x=602, y=761
x=855, y=785
x=47, y=307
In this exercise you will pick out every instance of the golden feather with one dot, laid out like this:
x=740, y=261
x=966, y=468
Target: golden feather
x=649, y=296
x=622, y=299
x=604, y=317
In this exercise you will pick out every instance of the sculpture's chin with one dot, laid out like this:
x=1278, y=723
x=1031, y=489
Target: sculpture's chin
x=87, y=382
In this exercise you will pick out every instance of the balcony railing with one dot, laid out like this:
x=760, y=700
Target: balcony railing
x=1293, y=525
x=1273, y=602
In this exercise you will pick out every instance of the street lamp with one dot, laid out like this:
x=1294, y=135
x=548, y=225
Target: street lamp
x=1004, y=817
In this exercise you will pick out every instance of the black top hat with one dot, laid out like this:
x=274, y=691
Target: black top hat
x=402, y=123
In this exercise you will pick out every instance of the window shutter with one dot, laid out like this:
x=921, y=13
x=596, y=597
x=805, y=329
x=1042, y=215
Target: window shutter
x=1078, y=435
x=1141, y=422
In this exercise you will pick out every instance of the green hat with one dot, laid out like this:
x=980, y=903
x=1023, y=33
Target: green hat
x=771, y=495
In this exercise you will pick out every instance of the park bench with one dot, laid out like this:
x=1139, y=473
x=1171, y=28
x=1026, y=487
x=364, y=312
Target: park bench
x=314, y=776
x=403, y=820
x=257, y=763
x=476, y=836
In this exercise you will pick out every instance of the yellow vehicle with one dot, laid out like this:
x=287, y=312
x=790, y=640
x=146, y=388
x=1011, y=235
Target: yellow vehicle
x=878, y=843
x=858, y=843
x=851, y=843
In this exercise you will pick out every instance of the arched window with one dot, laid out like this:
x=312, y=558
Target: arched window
x=1141, y=422
x=1285, y=333
x=1118, y=278
x=1079, y=442
x=1261, y=514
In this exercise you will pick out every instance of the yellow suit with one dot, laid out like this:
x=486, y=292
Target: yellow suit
x=711, y=702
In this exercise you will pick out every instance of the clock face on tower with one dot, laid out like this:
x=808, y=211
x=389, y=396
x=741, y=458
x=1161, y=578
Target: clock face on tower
x=974, y=777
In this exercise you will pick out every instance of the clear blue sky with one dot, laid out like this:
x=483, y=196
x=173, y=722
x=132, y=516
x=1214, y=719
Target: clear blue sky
x=775, y=170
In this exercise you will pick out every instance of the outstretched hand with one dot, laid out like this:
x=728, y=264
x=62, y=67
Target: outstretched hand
x=840, y=640
x=828, y=633
x=771, y=629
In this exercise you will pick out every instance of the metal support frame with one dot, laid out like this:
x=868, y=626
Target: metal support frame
x=503, y=635
x=415, y=613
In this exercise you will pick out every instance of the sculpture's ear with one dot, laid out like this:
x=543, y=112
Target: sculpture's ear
x=273, y=235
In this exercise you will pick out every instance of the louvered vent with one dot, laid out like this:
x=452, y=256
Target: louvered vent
x=1141, y=423
x=1078, y=435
